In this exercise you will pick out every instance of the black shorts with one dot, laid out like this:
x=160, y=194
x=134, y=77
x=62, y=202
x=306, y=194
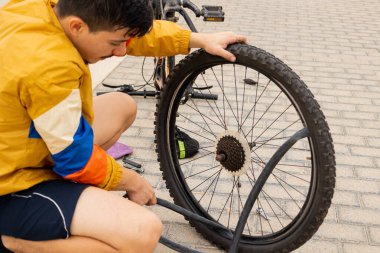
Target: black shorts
x=43, y=212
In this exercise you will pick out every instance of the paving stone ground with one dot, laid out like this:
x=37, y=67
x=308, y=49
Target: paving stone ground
x=335, y=47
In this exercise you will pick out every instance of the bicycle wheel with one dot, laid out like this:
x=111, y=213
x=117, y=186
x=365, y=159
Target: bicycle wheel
x=261, y=103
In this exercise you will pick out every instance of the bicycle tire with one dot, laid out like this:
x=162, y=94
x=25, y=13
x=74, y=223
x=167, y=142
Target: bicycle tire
x=307, y=171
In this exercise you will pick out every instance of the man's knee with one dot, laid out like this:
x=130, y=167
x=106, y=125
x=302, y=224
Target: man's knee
x=130, y=109
x=10, y=243
x=131, y=103
x=147, y=234
x=155, y=229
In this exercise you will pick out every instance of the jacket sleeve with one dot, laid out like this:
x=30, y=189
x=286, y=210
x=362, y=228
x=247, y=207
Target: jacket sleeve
x=54, y=105
x=164, y=39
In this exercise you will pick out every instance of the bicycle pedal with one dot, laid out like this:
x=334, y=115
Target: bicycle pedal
x=212, y=13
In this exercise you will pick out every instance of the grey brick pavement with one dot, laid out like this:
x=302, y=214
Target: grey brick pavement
x=335, y=47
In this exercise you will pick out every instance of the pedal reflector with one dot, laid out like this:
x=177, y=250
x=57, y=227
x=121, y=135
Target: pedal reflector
x=212, y=13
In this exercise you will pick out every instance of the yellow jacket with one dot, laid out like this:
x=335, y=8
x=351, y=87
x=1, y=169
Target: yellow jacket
x=46, y=98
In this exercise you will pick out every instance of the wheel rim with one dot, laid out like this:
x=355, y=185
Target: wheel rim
x=252, y=111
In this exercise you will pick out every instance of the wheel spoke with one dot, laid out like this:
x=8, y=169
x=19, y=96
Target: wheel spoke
x=260, y=106
x=266, y=199
x=282, y=209
x=242, y=106
x=278, y=133
x=282, y=180
x=197, y=158
x=197, y=124
x=205, y=181
x=219, y=114
x=204, y=116
x=251, y=130
x=190, y=131
x=202, y=171
x=213, y=192
x=273, y=123
x=286, y=191
x=225, y=97
x=229, y=196
x=237, y=100
x=217, y=176
x=242, y=205
x=265, y=142
x=282, y=185
x=257, y=99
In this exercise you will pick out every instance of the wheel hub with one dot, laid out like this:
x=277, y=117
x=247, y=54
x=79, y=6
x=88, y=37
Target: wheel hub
x=233, y=152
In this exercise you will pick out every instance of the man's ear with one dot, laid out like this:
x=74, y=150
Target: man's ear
x=76, y=26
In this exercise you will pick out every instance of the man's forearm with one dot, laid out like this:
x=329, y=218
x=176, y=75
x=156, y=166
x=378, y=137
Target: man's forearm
x=127, y=180
x=197, y=40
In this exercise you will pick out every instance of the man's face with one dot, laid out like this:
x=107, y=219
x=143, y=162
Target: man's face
x=96, y=46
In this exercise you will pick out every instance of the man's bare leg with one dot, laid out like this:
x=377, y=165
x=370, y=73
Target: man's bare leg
x=114, y=113
x=73, y=244
x=102, y=222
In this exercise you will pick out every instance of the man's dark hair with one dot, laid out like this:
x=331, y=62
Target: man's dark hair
x=110, y=15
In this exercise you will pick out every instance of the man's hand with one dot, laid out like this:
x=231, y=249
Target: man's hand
x=139, y=190
x=215, y=43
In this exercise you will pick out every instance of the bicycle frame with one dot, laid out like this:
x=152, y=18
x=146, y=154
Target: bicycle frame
x=170, y=7
x=165, y=10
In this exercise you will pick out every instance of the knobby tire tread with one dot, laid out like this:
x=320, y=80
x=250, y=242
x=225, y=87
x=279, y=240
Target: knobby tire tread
x=275, y=67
